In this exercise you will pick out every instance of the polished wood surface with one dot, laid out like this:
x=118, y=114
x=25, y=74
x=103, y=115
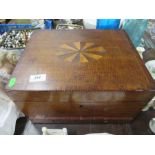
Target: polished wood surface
x=91, y=75
x=79, y=97
x=81, y=60
x=48, y=112
x=49, y=106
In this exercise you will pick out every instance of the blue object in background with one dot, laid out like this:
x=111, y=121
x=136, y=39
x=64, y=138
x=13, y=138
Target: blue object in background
x=48, y=23
x=8, y=27
x=135, y=29
x=108, y=24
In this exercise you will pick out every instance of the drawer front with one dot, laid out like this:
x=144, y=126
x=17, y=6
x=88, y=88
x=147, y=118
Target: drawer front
x=45, y=110
x=48, y=111
x=55, y=109
x=117, y=110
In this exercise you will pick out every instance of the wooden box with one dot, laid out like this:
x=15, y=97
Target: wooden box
x=91, y=75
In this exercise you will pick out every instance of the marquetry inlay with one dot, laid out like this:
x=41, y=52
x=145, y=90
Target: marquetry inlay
x=81, y=52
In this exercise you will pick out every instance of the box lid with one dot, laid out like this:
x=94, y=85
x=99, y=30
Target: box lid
x=82, y=60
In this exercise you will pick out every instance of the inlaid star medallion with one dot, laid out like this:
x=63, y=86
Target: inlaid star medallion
x=81, y=52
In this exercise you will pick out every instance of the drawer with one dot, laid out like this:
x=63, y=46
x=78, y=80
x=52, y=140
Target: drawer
x=49, y=111
x=44, y=109
x=82, y=111
x=117, y=109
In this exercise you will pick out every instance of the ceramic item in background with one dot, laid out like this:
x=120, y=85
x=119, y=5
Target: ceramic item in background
x=148, y=55
x=8, y=115
x=90, y=23
x=30, y=129
x=140, y=51
x=149, y=105
x=152, y=125
x=38, y=23
x=151, y=67
x=47, y=131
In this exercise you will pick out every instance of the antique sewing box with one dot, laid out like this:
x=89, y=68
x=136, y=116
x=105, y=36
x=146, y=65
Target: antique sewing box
x=80, y=75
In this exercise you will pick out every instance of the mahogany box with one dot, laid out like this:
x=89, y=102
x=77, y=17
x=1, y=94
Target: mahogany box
x=80, y=75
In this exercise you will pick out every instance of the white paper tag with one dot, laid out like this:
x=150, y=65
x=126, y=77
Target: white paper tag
x=37, y=78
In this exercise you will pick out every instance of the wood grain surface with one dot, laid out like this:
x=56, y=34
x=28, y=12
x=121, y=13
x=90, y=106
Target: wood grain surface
x=91, y=75
x=81, y=60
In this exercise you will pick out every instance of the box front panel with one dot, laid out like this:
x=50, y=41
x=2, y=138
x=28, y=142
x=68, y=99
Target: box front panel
x=79, y=96
x=70, y=106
